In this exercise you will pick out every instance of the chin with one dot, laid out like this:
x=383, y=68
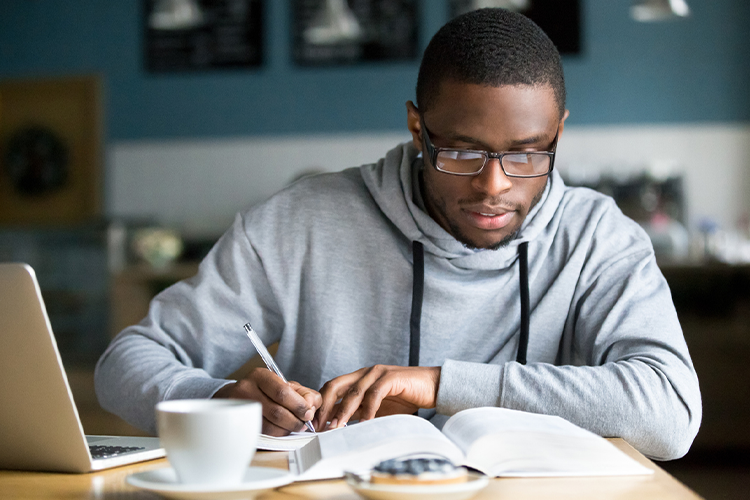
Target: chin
x=494, y=244
x=499, y=244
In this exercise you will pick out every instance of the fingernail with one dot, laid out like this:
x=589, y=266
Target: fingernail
x=309, y=414
x=334, y=423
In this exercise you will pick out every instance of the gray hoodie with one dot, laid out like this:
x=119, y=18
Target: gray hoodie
x=325, y=268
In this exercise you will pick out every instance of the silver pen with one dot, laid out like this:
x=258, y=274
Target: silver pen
x=268, y=360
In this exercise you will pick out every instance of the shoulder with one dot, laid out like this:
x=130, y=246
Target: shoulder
x=310, y=195
x=599, y=224
x=594, y=210
x=588, y=200
x=321, y=205
x=320, y=186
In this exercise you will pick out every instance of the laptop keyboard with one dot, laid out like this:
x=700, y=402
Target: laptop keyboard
x=98, y=451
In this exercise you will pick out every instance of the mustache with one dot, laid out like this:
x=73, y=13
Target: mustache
x=496, y=202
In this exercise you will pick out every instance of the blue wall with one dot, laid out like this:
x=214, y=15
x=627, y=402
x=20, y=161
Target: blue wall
x=693, y=70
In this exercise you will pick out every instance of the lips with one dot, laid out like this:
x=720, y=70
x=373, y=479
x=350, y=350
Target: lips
x=488, y=219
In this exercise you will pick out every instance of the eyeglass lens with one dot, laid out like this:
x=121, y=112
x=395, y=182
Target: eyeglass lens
x=468, y=162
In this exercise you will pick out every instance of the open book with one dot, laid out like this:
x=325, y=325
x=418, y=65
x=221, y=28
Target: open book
x=496, y=441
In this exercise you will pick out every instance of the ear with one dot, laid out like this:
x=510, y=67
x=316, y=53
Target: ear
x=562, y=124
x=414, y=125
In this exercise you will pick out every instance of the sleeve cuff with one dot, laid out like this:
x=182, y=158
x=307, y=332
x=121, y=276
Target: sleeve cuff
x=466, y=385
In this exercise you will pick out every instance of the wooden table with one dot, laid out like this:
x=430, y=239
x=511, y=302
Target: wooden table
x=111, y=484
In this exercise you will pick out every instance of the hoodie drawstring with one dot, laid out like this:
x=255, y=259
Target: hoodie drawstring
x=417, y=293
x=523, y=263
x=417, y=250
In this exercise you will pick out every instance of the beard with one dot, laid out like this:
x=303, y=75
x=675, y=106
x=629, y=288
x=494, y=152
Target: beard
x=454, y=228
x=468, y=243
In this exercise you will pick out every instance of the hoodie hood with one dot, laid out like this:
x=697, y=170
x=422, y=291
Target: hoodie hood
x=392, y=182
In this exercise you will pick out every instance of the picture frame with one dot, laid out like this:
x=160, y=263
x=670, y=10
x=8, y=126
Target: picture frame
x=50, y=151
x=346, y=32
x=202, y=35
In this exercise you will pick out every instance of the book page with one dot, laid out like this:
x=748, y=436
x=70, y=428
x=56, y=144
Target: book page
x=285, y=443
x=502, y=442
x=360, y=447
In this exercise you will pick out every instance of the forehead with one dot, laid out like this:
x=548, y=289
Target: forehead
x=513, y=111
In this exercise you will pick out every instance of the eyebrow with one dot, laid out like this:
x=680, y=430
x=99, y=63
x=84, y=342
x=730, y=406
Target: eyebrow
x=472, y=140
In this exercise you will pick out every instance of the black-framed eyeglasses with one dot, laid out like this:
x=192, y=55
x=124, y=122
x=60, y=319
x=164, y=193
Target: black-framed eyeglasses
x=471, y=162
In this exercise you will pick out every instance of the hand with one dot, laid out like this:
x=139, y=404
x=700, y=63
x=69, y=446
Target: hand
x=286, y=406
x=377, y=391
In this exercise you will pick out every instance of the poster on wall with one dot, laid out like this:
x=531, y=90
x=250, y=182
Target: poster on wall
x=195, y=35
x=339, y=32
x=560, y=19
x=50, y=151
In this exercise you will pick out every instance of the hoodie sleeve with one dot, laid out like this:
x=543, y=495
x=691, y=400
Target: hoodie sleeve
x=628, y=375
x=192, y=337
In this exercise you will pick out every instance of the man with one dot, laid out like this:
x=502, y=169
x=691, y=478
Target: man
x=466, y=276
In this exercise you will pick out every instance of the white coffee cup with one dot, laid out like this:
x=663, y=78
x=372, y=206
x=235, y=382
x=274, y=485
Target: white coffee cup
x=209, y=441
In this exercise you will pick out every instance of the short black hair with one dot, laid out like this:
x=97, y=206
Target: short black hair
x=492, y=47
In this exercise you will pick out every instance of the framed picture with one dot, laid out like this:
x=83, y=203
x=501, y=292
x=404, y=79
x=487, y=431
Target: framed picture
x=560, y=19
x=332, y=32
x=50, y=151
x=193, y=35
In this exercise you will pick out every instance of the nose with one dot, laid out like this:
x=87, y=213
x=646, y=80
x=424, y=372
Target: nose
x=492, y=181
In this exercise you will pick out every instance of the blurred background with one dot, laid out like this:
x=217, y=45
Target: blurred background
x=131, y=132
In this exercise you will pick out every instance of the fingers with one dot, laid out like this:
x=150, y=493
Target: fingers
x=365, y=394
x=313, y=398
x=334, y=411
x=360, y=392
x=379, y=390
x=286, y=406
x=270, y=429
x=331, y=392
x=283, y=406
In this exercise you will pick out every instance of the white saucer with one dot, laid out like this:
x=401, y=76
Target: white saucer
x=164, y=482
x=456, y=491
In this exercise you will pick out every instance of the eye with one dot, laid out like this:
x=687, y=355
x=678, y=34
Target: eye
x=460, y=155
x=465, y=155
x=518, y=158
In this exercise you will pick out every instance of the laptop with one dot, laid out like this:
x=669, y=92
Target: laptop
x=39, y=425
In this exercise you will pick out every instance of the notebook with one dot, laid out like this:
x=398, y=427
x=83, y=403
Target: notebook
x=39, y=425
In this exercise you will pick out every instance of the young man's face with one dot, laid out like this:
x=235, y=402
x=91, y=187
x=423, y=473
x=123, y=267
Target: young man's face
x=485, y=210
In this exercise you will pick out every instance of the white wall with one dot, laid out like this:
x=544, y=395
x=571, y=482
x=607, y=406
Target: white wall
x=198, y=185
x=713, y=158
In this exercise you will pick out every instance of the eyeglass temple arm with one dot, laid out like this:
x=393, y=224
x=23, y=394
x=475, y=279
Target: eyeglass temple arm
x=429, y=148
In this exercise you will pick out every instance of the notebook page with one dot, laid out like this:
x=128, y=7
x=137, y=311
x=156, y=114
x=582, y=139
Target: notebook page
x=284, y=443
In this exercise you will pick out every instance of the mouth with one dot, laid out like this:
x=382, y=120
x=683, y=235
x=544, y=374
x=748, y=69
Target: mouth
x=489, y=219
